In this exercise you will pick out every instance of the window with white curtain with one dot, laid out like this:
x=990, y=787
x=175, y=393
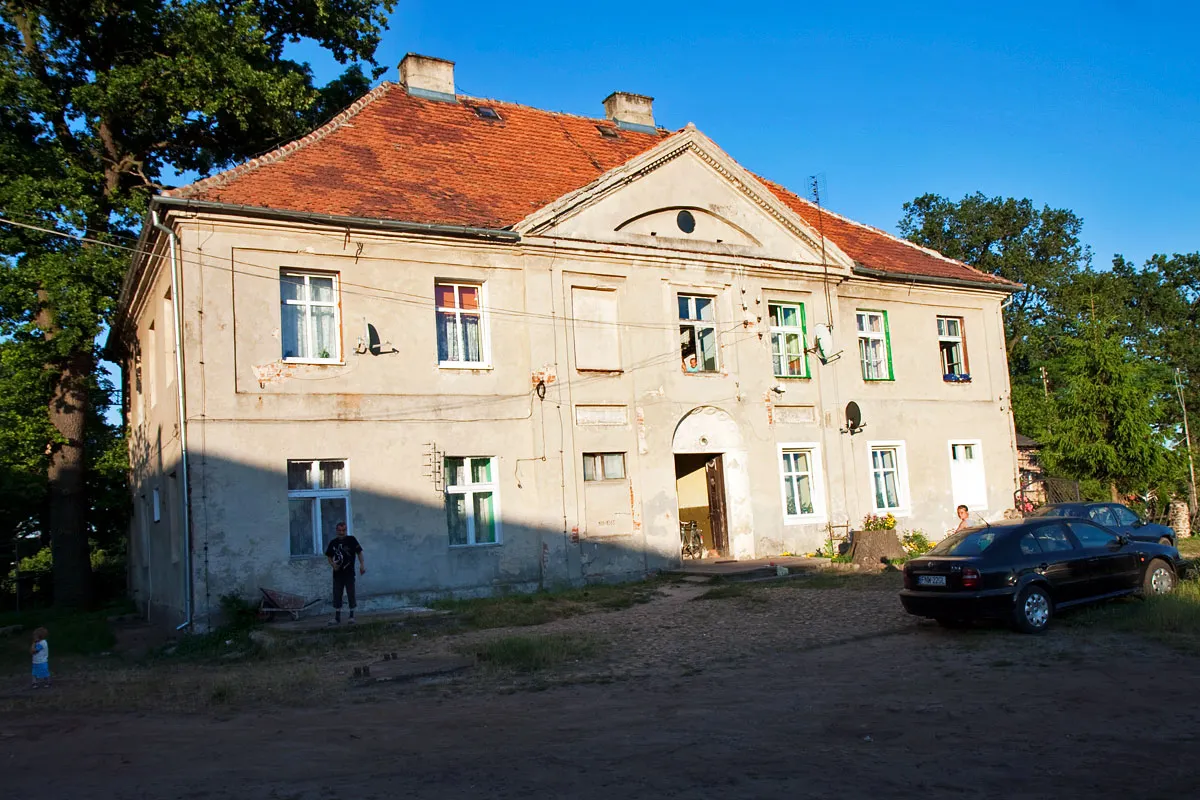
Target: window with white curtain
x=309, y=316
x=874, y=345
x=318, y=499
x=472, y=506
x=603, y=466
x=460, y=325
x=787, y=340
x=800, y=475
x=889, y=476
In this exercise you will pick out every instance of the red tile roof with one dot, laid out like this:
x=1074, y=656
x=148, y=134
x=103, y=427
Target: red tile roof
x=395, y=156
x=880, y=250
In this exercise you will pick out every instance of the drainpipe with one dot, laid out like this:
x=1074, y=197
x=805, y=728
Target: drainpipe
x=182, y=409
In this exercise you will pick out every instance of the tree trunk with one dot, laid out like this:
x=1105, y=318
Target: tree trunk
x=1116, y=494
x=67, y=483
x=875, y=549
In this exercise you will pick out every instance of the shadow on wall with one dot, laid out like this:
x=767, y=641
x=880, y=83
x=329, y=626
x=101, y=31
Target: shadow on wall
x=254, y=528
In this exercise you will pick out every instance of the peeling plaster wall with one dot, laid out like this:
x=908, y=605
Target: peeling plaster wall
x=385, y=413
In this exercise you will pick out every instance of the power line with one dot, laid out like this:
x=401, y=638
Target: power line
x=375, y=292
x=98, y=231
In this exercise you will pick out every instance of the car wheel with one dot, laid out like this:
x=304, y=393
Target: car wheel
x=1033, y=609
x=1160, y=578
x=1166, y=542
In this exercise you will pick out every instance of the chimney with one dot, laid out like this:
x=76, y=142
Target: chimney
x=428, y=77
x=630, y=111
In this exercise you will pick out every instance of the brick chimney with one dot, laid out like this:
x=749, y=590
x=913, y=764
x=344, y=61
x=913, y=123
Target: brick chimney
x=428, y=77
x=631, y=111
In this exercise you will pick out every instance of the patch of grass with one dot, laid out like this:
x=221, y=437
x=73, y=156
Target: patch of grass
x=71, y=633
x=1173, y=619
x=1190, y=547
x=533, y=653
x=726, y=591
x=537, y=609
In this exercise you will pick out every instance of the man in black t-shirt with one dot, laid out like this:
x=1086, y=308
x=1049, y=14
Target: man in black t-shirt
x=340, y=555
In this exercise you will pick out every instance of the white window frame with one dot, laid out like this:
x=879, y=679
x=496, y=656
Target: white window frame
x=781, y=330
x=320, y=494
x=168, y=312
x=883, y=335
x=157, y=504
x=152, y=364
x=694, y=322
x=959, y=340
x=977, y=444
x=902, y=490
x=470, y=489
x=599, y=470
x=309, y=318
x=485, y=343
x=817, y=481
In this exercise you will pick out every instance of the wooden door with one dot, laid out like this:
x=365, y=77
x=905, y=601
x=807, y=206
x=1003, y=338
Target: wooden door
x=717, y=517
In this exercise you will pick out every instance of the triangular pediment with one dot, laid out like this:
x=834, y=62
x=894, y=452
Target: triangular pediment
x=689, y=195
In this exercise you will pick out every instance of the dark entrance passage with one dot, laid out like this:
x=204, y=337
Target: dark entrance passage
x=700, y=486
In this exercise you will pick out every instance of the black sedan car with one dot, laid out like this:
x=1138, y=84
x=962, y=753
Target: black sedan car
x=1025, y=570
x=1114, y=516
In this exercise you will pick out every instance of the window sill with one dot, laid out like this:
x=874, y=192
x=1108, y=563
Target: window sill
x=327, y=362
x=956, y=378
x=793, y=377
x=482, y=546
x=603, y=481
x=898, y=513
x=465, y=365
x=879, y=380
x=806, y=519
x=702, y=373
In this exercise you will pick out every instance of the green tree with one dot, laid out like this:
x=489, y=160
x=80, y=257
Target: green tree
x=1105, y=416
x=99, y=100
x=1015, y=240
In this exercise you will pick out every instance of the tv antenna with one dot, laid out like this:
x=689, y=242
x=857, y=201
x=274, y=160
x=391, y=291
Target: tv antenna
x=817, y=181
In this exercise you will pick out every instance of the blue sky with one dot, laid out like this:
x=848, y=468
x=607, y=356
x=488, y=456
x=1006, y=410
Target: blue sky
x=1091, y=106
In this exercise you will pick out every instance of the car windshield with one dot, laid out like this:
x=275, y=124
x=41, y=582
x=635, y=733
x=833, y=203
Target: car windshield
x=967, y=543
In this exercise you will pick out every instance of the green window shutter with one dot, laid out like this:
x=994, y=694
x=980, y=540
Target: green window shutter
x=887, y=344
x=804, y=340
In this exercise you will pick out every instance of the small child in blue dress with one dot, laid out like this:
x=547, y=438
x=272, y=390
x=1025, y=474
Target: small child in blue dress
x=41, y=658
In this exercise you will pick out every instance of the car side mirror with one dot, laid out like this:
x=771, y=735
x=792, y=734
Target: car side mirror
x=1122, y=540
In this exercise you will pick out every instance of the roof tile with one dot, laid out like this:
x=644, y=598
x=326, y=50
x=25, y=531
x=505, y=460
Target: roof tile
x=391, y=155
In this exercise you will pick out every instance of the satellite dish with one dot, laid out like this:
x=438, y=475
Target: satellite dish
x=824, y=343
x=854, y=421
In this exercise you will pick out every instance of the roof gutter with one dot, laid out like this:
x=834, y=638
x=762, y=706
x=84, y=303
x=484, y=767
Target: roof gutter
x=185, y=500
x=396, y=226
x=870, y=272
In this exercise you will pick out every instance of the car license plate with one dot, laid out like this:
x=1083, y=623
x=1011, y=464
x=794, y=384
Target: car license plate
x=931, y=580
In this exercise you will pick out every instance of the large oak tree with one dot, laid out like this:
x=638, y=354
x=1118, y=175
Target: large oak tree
x=100, y=102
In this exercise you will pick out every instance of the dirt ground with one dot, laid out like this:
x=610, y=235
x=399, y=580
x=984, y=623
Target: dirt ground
x=784, y=692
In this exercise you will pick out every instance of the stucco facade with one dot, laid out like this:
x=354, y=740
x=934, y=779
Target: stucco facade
x=578, y=330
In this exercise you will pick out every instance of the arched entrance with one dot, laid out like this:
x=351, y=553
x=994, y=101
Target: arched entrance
x=712, y=482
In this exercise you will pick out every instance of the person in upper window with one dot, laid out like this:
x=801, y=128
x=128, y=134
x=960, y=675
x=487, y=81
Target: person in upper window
x=690, y=364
